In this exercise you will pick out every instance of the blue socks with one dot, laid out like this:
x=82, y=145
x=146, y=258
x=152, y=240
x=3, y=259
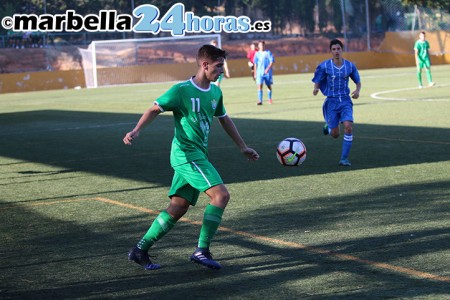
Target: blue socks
x=346, y=145
x=260, y=95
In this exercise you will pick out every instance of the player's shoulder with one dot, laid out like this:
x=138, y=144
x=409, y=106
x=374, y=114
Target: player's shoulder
x=183, y=84
x=325, y=63
x=350, y=63
x=178, y=89
x=215, y=89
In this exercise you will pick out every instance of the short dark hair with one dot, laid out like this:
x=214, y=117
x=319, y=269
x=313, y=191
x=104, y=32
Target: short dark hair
x=336, y=42
x=210, y=52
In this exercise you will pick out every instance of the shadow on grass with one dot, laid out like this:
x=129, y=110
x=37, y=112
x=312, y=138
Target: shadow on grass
x=85, y=257
x=92, y=142
x=81, y=253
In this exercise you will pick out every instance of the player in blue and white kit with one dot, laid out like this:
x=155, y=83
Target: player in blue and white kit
x=263, y=62
x=331, y=78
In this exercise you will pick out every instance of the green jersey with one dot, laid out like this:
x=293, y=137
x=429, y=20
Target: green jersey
x=422, y=50
x=193, y=111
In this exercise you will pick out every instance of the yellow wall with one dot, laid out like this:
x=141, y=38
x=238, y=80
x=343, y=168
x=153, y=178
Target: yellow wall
x=395, y=51
x=38, y=81
x=363, y=60
x=403, y=42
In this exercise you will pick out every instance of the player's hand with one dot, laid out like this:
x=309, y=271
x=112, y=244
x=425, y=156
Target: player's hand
x=129, y=137
x=315, y=91
x=355, y=94
x=250, y=153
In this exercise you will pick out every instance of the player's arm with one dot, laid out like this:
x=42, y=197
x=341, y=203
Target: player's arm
x=355, y=94
x=357, y=80
x=316, y=88
x=416, y=56
x=148, y=117
x=319, y=75
x=268, y=68
x=231, y=130
x=225, y=68
x=272, y=60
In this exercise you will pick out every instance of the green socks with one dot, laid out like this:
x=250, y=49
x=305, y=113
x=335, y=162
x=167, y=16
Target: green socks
x=164, y=223
x=419, y=77
x=211, y=222
x=160, y=226
x=428, y=72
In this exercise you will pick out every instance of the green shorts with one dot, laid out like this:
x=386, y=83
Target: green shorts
x=192, y=178
x=424, y=64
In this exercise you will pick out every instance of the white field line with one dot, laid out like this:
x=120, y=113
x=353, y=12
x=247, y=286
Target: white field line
x=377, y=94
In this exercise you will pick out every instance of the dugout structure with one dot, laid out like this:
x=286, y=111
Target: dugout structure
x=132, y=61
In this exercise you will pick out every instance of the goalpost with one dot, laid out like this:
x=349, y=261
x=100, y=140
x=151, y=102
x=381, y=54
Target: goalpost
x=129, y=61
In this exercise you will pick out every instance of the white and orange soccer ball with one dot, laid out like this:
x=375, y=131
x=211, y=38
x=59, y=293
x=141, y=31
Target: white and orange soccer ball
x=291, y=152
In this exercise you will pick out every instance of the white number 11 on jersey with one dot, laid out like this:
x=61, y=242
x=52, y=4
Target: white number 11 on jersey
x=195, y=104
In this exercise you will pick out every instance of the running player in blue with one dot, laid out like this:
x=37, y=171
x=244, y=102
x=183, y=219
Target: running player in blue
x=331, y=78
x=263, y=62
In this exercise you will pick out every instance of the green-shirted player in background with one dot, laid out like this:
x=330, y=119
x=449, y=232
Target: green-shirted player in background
x=422, y=56
x=194, y=103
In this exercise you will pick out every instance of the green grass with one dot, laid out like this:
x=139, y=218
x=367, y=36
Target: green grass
x=74, y=199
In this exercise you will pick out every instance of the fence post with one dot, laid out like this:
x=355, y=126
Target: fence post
x=368, y=26
x=344, y=26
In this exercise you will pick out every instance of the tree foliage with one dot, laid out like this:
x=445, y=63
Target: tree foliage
x=438, y=4
x=281, y=13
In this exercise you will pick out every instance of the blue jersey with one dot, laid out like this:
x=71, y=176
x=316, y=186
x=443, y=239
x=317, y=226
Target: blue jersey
x=262, y=60
x=333, y=80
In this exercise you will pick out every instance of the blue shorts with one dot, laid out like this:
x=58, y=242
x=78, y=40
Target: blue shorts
x=266, y=78
x=337, y=110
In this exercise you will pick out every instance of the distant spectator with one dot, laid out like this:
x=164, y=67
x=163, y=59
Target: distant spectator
x=36, y=39
x=14, y=39
x=26, y=39
x=379, y=23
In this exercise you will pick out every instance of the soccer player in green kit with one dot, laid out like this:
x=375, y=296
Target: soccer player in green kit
x=422, y=56
x=194, y=103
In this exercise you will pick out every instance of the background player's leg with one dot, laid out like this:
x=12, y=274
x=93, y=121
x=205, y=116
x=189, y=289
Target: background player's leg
x=419, y=77
x=429, y=78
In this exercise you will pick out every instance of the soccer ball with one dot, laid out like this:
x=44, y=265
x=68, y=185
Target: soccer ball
x=291, y=152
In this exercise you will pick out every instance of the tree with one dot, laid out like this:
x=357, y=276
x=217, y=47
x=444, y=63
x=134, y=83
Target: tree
x=438, y=4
